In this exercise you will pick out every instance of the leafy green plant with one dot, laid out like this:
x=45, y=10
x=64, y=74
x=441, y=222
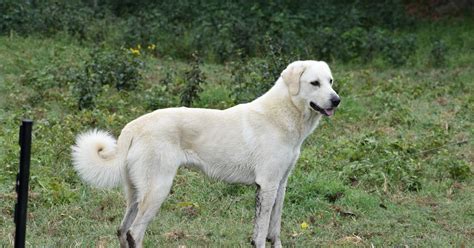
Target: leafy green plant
x=15, y=16
x=163, y=94
x=354, y=42
x=459, y=170
x=119, y=69
x=397, y=50
x=254, y=77
x=86, y=90
x=325, y=41
x=194, y=79
x=452, y=168
x=216, y=97
x=42, y=79
x=438, y=53
x=158, y=96
x=47, y=18
x=233, y=30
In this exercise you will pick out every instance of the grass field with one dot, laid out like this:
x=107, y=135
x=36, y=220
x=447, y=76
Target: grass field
x=393, y=167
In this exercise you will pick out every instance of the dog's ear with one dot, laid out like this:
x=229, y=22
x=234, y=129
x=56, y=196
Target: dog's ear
x=291, y=75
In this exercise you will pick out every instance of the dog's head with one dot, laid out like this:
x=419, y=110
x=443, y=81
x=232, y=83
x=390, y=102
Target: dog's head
x=310, y=84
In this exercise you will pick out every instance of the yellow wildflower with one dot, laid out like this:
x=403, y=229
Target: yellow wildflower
x=151, y=47
x=304, y=225
x=139, y=47
x=135, y=51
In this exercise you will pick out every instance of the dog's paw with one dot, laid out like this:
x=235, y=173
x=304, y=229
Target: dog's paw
x=130, y=240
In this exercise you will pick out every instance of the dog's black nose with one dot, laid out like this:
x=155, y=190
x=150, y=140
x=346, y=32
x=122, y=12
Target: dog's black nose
x=335, y=100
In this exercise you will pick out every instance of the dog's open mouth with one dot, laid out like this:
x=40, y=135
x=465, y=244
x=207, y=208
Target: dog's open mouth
x=326, y=112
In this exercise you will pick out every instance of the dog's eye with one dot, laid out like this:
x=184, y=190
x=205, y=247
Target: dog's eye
x=330, y=81
x=315, y=83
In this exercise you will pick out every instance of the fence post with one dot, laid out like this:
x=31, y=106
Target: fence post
x=22, y=183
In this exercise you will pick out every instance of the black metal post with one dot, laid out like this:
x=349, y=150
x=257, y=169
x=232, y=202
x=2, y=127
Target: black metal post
x=22, y=183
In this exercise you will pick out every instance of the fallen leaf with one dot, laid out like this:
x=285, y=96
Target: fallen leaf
x=353, y=239
x=175, y=235
x=187, y=204
x=295, y=234
x=343, y=212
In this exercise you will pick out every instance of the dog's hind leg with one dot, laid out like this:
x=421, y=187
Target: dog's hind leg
x=147, y=209
x=129, y=217
x=131, y=211
x=159, y=182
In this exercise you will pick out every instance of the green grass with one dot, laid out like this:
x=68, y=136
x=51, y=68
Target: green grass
x=393, y=167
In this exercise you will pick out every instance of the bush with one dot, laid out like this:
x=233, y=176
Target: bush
x=15, y=16
x=252, y=78
x=354, y=43
x=158, y=96
x=328, y=30
x=117, y=68
x=459, y=170
x=398, y=49
x=46, y=18
x=162, y=95
x=452, y=168
x=438, y=53
x=192, y=86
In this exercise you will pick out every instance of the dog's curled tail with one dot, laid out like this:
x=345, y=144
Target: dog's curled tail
x=98, y=159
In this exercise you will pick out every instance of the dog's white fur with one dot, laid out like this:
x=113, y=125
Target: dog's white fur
x=253, y=143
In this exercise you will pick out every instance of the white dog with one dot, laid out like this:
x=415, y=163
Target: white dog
x=253, y=143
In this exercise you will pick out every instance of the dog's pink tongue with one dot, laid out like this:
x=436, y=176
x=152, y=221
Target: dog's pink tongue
x=329, y=112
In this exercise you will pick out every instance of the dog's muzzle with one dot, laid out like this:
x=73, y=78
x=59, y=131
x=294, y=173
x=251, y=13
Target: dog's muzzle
x=335, y=100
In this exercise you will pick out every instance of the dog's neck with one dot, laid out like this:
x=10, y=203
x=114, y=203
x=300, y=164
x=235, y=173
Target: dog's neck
x=295, y=117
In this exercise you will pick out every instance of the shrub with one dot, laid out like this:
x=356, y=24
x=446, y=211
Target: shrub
x=354, y=42
x=325, y=43
x=163, y=94
x=459, y=170
x=158, y=96
x=253, y=77
x=398, y=49
x=222, y=32
x=192, y=86
x=15, y=16
x=451, y=168
x=216, y=97
x=117, y=68
x=42, y=79
x=46, y=18
x=438, y=53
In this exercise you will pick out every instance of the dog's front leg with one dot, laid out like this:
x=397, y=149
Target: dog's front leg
x=275, y=219
x=265, y=200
